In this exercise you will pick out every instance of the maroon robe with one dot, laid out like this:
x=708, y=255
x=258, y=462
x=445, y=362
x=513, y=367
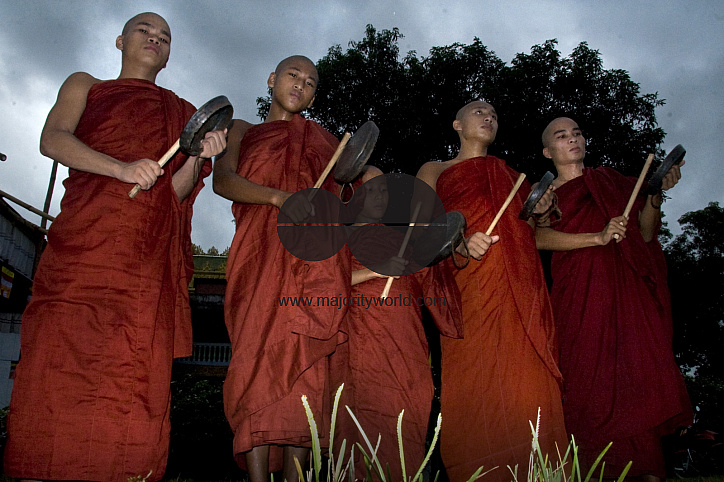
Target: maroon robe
x=280, y=352
x=613, y=316
x=505, y=368
x=110, y=304
x=385, y=364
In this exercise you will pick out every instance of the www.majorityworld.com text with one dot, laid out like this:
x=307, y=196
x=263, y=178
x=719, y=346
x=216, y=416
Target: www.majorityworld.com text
x=362, y=301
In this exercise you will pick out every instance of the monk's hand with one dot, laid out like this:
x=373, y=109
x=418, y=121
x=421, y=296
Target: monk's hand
x=615, y=229
x=213, y=144
x=478, y=244
x=394, y=267
x=297, y=209
x=143, y=172
x=545, y=203
x=672, y=177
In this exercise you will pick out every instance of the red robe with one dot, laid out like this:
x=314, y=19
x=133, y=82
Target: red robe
x=110, y=305
x=279, y=352
x=505, y=367
x=385, y=364
x=634, y=394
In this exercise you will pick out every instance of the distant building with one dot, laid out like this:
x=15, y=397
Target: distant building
x=21, y=243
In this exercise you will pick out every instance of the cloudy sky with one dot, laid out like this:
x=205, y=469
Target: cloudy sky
x=229, y=47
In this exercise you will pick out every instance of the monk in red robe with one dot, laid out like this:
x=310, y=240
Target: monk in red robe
x=385, y=364
x=495, y=379
x=612, y=311
x=280, y=351
x=110, y=301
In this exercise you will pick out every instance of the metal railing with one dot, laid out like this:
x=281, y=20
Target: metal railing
x=210, y=354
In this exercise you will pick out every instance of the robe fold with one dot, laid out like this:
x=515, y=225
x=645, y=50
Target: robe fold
x=607, y=297
x=110, y=304
x=385, y=364
x=505, y=368
x=280, y=351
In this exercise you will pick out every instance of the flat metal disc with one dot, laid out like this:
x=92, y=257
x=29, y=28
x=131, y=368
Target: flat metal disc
x=214, y=115
x=675, y=157
x=455, y=224
x=535, y=195
x=356, y=153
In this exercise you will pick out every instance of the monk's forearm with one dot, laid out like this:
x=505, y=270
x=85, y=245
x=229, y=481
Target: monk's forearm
x=551, y=240
x=185, y=178
x=362, y=275
x=239, y=189
x=650, y=218
x=68, y=150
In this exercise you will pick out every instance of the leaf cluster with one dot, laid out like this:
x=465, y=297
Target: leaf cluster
x=413, y=100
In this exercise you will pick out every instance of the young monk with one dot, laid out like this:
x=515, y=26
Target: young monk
x=621, y=382
x=280, y=351
x=110, y=306
x=384, y=365
x=505, y=368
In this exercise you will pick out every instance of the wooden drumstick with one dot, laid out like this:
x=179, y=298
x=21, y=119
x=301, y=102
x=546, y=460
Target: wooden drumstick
x=386, y=291
x=161, y=162
x=636, y=189
x=330, y=164
x=506, y=203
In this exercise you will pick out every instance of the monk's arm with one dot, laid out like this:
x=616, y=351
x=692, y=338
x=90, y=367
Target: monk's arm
x=186, y=177
x=362, y=275
x=650, y=215
x=232, y=186
x=58, y=140
x=551, y=240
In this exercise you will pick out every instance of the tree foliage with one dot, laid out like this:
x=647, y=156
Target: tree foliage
x=696, y=279
x=413, y=100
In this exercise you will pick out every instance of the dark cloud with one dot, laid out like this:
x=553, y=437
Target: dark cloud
x=229, y=47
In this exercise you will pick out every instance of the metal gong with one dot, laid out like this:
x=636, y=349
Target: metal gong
x=455, y=224
x=675, y=157
x=214, y=115
x=356, y=153
x=535, y=195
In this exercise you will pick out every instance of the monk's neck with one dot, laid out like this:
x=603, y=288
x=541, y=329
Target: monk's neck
x=137, y=72
x=469, y=150
x=276, y=113
x=568, y=172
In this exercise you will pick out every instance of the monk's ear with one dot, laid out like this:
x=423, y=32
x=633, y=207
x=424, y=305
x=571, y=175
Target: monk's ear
x=270, y=81
x=547, y=153
x=311, y=101
x=456, y=125
x=119, y=42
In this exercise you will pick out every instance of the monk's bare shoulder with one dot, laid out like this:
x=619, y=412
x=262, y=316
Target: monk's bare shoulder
x=228, y=160
x=430, y=171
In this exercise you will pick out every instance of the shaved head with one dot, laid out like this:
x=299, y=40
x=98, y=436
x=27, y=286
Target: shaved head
x=553, y=127
x=292, y=60
x=476, y=103
x=370, y=172
x=139, y=19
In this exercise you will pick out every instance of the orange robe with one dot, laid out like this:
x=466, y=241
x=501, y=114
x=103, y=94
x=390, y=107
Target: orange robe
x=505, y=367
x=110, y=305
x=279, y=352
x=635, y=393
x=385, y=364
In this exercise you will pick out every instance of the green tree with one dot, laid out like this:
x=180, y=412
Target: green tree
x=696, y=279
x=413, y=100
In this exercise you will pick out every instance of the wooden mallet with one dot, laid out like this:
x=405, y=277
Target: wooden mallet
x=636, y=189
x=406, y=240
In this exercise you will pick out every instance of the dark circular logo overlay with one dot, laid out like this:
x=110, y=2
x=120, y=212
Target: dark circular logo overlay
x=394, y=224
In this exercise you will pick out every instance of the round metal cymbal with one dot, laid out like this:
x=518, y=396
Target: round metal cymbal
x=535, y=195
x=214, y=115
x=356, y=153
